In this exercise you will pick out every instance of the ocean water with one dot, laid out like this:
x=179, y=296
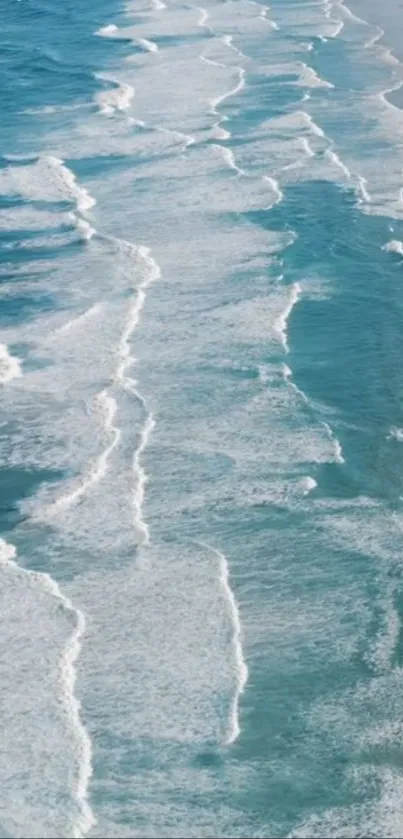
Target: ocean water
x=201, y=419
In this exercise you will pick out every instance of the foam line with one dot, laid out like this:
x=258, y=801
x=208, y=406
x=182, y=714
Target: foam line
x=334, y=158
x=363, y=194
x=86, y=818
x=141, y=480
x=211, y=61
x=83, y=227
x=109, y=409
x=188, y=140
x=280, y=325
x=79, y=320
x=117, y=98
x=10, y=366
x=67, y=182
x=308, y=484
x=217, y=101
x=394, y=246
x=278, y=195
x=240, y=664
x=130, y=384
x=338, y=451
x=150, y=46
x=204, y=16
x=229, y=159
x=228, y=41
x=108, y=31
x=263, y=14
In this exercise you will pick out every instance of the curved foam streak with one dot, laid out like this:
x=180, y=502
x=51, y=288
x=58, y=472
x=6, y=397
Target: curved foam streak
x=228, y=41
x=337, y=448
x=339, y=24
x=10, y=366
x=394, y=246
x=280, y=325
x=338, y=451
x=278, y=194
x=108, y=31
x=359, y=182
x=204, y=16
x=211, y=61
x=67, y=182
x=150, y=46
x=220, y=133
x=217, y=101
x=334, y=158
x=108, y=405
x=188, y=140
x=310, y=78
x=229, y=159
x=130, y=384
x=86, y=819
x=308, y=484
x=158, y=5
x=314, y=127
x=117, y=98
x=263, y=14
x=83, y=227
x=364, y=196
x=79, y=320
x=141, y=480
x=234, y=729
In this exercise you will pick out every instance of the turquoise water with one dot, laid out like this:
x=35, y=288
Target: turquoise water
x=201, y=421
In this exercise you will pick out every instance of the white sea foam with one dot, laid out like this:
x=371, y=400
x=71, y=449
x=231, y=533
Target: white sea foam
x=338, y=451
x=241, y=669
x=202, y=21
x=220, y=133
x=395, y=434
x=232, y=92
x=107, y=406
x=83, y=227
x=280, y=325
x=364, y=196
x=117, y=98
x=334, y=158
x=211, y=61
x=66, y=181
x=230, y=159
x=148, y=45
x=140, y=482
x=80, y=320
x=126, y=361
x=278, y=195
x=85, y=820
x=108, y=31
x=394, y=246
x=227, y=40
x=186, y=139
x=10, y=366
x=307, y=484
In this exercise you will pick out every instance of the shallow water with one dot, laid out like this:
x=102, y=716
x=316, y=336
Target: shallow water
x=201, y=223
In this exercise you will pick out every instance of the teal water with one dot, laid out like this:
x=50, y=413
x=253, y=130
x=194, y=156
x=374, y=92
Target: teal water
x=201, y=429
